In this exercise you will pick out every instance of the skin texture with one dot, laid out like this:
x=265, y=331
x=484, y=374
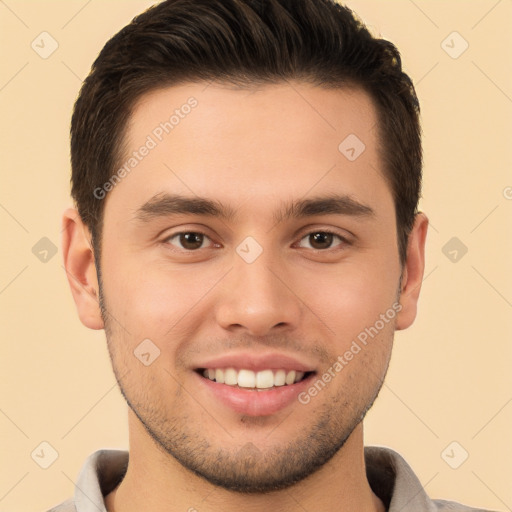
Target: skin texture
x=250, y=149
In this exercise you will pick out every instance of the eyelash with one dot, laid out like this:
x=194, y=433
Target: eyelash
x=345, y=241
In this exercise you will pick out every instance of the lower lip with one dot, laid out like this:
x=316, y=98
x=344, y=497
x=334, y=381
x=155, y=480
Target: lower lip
x=251, y=402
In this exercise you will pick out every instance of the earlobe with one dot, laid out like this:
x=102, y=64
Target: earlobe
x=80, y=269
x=413, y=273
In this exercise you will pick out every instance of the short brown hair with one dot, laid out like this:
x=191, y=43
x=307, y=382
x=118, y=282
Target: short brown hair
x=244, y=42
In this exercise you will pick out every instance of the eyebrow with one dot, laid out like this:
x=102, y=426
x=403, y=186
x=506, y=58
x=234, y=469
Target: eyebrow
x=165, y=205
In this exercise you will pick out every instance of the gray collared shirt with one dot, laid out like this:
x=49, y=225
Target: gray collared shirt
x=389, y=475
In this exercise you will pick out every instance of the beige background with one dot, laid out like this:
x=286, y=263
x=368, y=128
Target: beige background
x=450, y=377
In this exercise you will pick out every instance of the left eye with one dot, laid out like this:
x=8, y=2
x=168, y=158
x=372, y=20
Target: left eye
x=193, y=240
x=320, y=238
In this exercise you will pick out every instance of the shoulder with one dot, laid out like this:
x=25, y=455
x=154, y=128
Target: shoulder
x=446, y=506
x=100, y=473
x=65, y=506
x=398, y=487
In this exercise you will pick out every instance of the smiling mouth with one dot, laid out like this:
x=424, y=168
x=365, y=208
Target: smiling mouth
x=256, y=381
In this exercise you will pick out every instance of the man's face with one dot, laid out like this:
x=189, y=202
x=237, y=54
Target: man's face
x=273, y=293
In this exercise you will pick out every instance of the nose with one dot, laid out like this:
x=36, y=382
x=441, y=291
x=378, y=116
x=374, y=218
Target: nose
x=258, y=297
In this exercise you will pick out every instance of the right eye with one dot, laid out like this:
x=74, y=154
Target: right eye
x=189, y=240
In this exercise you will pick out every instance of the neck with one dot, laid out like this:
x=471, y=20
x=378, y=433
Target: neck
x=156, y=481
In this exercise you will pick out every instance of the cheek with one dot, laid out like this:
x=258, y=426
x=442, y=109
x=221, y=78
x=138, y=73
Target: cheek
x=352, y=297
x=154, y=299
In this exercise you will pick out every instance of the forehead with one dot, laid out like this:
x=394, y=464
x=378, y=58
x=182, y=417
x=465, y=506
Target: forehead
x=211, y=112
x=251, y=145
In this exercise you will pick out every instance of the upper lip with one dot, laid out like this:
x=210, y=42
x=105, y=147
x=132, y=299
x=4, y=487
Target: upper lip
x=256, y=362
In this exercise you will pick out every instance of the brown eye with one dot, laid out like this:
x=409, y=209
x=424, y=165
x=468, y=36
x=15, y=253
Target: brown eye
x=321, y=240
x=188, y=240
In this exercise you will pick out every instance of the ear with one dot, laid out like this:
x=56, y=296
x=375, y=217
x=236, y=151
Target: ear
x=80, y=268
x=412, y=273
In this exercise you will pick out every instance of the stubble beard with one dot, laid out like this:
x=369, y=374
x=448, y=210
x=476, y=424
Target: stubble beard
x=244, y=469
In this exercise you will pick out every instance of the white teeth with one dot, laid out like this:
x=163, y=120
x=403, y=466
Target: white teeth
x=246, y=379
x=290, y=377
x=280, y=378
x=219, y=376
x=264, y=379
x=230, y=377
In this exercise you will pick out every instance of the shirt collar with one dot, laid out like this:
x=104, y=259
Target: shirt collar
x=389, y=475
